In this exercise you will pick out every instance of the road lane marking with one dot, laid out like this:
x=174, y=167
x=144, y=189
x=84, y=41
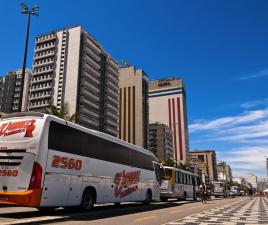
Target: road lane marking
x=145, y=218
x=174, y=211
x=32, y=220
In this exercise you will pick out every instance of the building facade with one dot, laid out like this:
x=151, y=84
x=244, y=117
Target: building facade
x=160, y=141
x=167, y=103
x=133, y=106
x=206, y=161
x=70, y=66
x=224, y=171
x=252, y=179
x=10, y=91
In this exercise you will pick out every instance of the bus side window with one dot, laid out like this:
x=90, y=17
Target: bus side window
x=180, y=178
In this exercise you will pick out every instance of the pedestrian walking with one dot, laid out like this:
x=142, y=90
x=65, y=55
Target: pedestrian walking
x=250, y=193
x=202, y=190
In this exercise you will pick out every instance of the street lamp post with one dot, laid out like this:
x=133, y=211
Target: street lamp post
x=29, y=12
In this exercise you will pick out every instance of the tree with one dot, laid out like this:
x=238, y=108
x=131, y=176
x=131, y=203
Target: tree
x=170, y=162
x=63, y=112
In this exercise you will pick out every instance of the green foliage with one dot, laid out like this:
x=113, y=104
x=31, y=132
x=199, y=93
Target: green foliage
x=169, y=162
x=63, y=112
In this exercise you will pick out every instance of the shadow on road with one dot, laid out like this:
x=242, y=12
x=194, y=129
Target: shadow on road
x=98, y=212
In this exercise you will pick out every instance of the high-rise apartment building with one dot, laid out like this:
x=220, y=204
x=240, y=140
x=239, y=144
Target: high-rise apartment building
x=252, y=179
x=224, y=171
x=70, y=66
x=133, y=106
x=160, y=141
x=167, y=103
x=10, y=91
x=206, y=160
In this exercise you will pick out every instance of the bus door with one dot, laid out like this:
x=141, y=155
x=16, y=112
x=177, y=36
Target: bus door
x=57, y=180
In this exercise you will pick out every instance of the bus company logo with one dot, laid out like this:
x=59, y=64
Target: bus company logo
x=11, y=128
x=126, y=183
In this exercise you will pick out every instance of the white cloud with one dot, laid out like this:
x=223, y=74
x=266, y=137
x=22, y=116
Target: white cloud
x=255, y=103
x=248, y=131
x=261, y=73
x=246, y=117
x=248, y=159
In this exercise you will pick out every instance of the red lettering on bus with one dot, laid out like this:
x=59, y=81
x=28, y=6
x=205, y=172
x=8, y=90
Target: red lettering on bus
x=126, y=183
x=11, y=128
x=66, y=163
x=9, y=173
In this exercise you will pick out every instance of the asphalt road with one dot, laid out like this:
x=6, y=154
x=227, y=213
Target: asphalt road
x=157, y=213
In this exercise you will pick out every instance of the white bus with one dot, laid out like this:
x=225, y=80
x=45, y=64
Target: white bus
x=177, y=183
x=219, y=189
x=47, y=162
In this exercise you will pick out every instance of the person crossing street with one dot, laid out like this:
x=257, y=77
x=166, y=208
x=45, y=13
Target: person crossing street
x=202, y=191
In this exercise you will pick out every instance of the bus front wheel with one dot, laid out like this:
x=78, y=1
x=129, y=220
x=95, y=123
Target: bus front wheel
x=88, y=200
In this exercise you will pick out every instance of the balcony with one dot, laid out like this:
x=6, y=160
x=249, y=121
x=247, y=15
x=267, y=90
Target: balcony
x=90, y=53
x=34, y=81
x=40, y=97
x=45, y=38
x=40, y=88
x=44, y=55
x=92, y=46
x=43, y=64
x=43, y=71
x=38, y=106
x=45, y=48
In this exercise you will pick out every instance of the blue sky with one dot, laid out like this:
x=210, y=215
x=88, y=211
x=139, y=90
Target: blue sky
x=219, y=48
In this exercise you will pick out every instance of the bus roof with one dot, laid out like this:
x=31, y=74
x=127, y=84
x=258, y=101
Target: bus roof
x=177, y=169
x=77, y=126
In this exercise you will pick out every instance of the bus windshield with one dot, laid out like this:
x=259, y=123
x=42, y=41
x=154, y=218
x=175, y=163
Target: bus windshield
x=20, y=129
x=166, y=174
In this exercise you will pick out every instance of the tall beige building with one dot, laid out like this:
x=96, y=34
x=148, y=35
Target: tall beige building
x=70, y=66
x=167, y=103
x=133, y=106
x=206, y=160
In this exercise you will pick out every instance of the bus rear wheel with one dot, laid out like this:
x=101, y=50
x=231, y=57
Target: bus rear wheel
x=148, y=197
x=184, y=196
x=88, y=200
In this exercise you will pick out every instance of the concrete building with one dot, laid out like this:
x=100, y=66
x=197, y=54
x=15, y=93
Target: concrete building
x=69, y=65
x=238, y=180
x=206, y=161
x=10, y=91
x=252, y=179
x=133, y=106
x=167, y=103
x=224, y=171
x=160, y=141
